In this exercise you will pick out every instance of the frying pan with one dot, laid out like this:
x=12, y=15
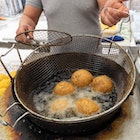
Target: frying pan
x=83, y=51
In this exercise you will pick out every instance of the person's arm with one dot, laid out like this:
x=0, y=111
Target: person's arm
x=112, y=11
x=28, y=19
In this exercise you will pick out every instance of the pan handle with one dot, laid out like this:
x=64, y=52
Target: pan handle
x=2, y=62
x=5, y=123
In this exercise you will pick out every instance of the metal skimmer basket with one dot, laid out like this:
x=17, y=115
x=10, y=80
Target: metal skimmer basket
x=44, y=38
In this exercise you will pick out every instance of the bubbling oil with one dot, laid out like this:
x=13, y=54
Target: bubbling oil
x=44, y=97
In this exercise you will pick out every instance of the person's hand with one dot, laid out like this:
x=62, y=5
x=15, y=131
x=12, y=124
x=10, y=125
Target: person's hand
x=113, y=11
x=22, y=36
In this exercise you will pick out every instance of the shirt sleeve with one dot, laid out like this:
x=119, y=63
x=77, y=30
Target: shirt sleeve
x=35, y=3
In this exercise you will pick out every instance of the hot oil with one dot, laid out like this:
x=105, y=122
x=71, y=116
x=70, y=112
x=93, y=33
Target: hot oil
x=44, y=96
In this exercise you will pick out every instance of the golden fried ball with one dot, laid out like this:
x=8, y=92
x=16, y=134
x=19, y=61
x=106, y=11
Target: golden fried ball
x=59, y=105
x=102, y=84
x=64, y=88
x=81, y=78
x=87, y=106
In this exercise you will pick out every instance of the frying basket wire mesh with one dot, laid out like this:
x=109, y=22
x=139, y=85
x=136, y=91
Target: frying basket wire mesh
x=88, y=44
x=43, y=38
x=83, y=51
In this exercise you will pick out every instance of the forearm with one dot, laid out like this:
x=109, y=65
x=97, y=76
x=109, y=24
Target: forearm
x=26, y=20
x=30, y=16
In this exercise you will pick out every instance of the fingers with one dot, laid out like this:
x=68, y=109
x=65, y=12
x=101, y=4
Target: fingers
x=108, y=18
x=123, y=0
x=22, y=36
x=111, y=16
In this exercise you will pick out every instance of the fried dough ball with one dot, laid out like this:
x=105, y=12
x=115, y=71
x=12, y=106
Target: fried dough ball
x=64, y=88
x=102, y=84
x=59, y=105
x=81, y=78
x=87, y=106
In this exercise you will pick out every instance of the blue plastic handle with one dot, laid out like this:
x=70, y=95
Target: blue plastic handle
x=113, y=38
